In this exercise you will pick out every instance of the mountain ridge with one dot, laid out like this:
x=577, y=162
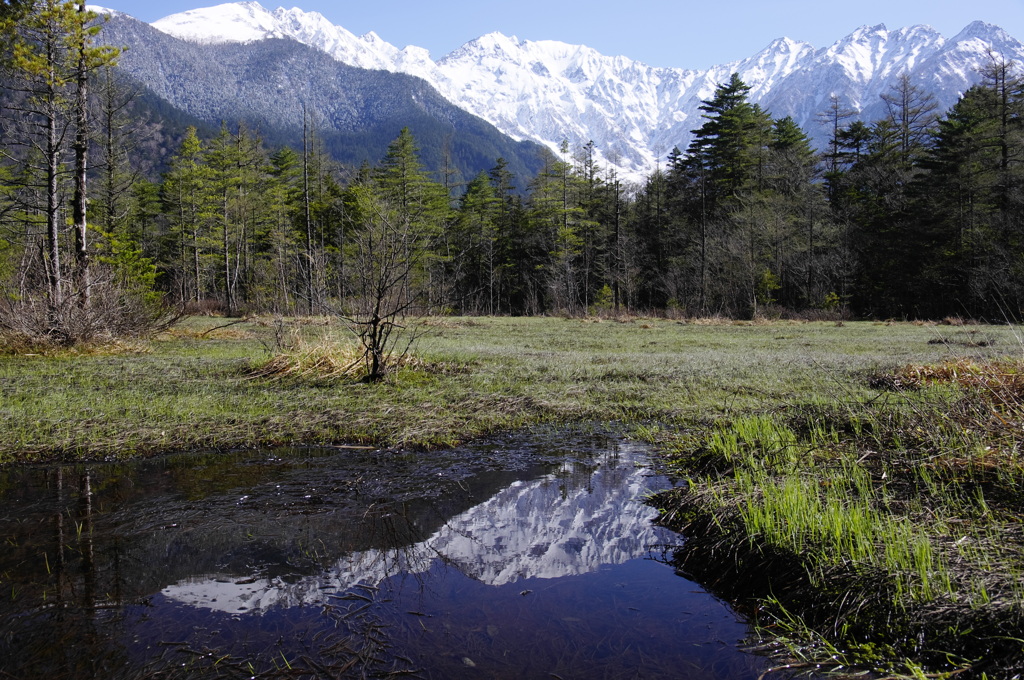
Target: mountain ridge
x=268, y=83
x=547, y=91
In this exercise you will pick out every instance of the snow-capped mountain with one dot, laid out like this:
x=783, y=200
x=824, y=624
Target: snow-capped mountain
x=635, y=114
x=564, y=524
x=267, y=84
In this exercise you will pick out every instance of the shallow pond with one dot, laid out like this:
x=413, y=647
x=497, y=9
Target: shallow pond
x=528, y=556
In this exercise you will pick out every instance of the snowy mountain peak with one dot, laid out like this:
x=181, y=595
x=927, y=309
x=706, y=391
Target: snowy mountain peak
x=230, y=22
x=918, y=32
x=985, y=32
x=784, y=44
x=298, y=20
x=780, y=51
x=492, y=44
x=870, y=32
x=496, y=40
x=103, y=11
x=548, y=91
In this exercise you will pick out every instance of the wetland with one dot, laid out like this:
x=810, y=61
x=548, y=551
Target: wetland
x=531, y=555
x=854, y=488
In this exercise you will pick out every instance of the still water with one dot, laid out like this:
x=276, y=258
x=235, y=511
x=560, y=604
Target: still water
x=528, y=556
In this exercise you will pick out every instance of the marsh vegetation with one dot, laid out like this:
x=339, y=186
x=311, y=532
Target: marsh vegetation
x=853, y=487
x=882, y=533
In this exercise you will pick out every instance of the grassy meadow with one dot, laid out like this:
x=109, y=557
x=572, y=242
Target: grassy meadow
x=198, y=386
x=855, y=486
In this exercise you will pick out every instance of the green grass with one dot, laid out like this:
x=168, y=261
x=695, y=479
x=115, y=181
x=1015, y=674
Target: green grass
x=889, y=527
x=194, y=389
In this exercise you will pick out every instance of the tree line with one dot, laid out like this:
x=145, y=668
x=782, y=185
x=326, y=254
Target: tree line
x=916, y=215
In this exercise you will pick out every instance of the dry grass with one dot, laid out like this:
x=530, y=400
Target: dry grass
x=999, y=382
x=323, y=360
x=17, y=345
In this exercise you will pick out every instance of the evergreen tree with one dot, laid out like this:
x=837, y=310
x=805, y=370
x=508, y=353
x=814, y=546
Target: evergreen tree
x=519, y=250
x=118, y=136
x=281, y=240
x=969, y=195
x=834, y=119
x=477, y=267
x=745, y=212
x=798, y=249
x=559, y=221
x=423, y=207
x=189, y=198
x=732, y=142
x=593, y=227
x=690, y=197
x=614, y=203
x=51, y=52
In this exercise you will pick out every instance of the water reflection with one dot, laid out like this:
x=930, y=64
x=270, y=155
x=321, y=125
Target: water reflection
x=513, y=558
x=568, y=522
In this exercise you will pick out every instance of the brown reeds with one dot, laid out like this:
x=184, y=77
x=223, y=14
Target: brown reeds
x=325, y=360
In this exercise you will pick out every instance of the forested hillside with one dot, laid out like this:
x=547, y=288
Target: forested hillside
x=268, y=85
x=917, y=214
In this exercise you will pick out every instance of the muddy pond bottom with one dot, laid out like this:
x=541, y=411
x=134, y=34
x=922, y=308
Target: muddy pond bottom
x=527, y=556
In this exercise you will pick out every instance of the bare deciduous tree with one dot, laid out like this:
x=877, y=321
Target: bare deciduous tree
x=384, y=254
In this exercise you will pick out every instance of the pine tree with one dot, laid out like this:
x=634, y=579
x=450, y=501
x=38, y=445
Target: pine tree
x=559, y=221
x=477, y=265
x=970, y=196
x=282, y=238
x=517, y=251
x=834, y=120
x=118, y=133
x=189, y=197
x=423, y=207
x=51, y=51
x=238, y=169
x=732, y=142
x=798, y=246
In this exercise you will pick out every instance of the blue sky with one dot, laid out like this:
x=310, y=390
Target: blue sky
x=685, y=34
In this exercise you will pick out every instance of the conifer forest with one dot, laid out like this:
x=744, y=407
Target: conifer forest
x=916, y=215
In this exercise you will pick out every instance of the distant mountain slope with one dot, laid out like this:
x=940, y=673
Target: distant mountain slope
x=267, y=83
x=548, y=91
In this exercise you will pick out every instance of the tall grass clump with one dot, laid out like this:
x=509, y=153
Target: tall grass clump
x=755, y=440
x=322, y=359
x=318, y=361
x=832, y=513
x=892, y=530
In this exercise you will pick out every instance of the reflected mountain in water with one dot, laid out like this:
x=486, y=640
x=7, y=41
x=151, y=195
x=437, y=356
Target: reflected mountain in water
x=525, y=554
x=567, y=523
